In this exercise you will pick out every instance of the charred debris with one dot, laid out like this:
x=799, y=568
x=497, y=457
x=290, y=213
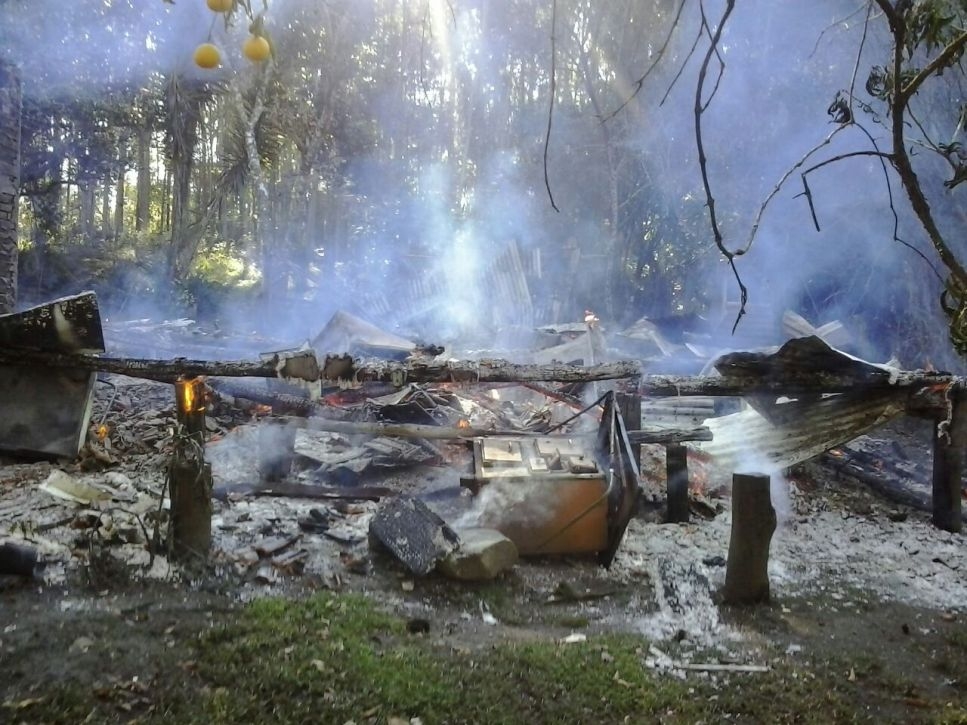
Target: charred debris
x=445, y=463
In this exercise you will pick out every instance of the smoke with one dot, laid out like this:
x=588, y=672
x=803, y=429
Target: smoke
x=436, y=178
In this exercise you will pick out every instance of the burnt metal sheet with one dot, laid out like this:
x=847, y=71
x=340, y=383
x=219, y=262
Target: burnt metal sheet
x=799, y=358
x=797, y=430
x=67, y=324
x=44, y=412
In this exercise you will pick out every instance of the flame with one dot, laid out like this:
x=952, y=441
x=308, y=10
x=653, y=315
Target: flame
x=463, y=423
x=102, y=431
x=190, y=394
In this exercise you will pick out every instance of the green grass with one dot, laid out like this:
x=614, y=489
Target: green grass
x=334, y=658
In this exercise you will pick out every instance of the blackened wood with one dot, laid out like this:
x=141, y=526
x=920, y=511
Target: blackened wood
x=629, y=406
x=303, y=490
x=66, y=325
x=167, y=371
x=795, y=383
x=676, y=472
x=342, y=367
x=753, y=523
x=665, y=436
x=334, y=369
x=949, y=442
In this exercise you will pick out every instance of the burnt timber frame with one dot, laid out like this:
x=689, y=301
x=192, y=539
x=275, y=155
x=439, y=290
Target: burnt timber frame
x=934, y=395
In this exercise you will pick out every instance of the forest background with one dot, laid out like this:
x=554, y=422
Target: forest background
x=393, y=157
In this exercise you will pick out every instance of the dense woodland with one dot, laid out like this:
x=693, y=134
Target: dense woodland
x=406, y=158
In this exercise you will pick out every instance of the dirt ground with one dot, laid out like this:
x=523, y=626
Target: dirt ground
x=862, y=589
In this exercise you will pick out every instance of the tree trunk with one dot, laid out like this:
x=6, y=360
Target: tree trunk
x=106, y=208
x=144, y=180
x=10, y=110
x=119, y=197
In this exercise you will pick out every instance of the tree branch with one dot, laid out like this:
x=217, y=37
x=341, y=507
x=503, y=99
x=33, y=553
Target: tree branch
x=550, y=109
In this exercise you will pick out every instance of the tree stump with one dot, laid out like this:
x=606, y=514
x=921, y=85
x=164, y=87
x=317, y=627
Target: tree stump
x=189, y=477
x=676, y=477
x=753, y=523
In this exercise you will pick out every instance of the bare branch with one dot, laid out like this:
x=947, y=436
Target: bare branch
x=841, y=21
x=654, y=64
x=703, y=161
x=681, y=68
x=550, y=109
x=859, y=55
x=785, y=177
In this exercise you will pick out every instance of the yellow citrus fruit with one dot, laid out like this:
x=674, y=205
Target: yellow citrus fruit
x=220, y=6
x=207, y=55
x=256, y=48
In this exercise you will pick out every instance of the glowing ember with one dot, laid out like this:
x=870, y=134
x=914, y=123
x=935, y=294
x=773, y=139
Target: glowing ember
x=463, y=423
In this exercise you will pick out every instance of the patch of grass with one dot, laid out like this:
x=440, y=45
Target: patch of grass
x=333, y=658
x=339, y=658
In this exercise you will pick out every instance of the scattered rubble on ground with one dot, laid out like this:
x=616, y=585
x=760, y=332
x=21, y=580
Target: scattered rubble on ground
x=313, y=513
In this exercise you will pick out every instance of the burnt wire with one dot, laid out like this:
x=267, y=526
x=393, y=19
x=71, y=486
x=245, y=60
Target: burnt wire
x=595, y=404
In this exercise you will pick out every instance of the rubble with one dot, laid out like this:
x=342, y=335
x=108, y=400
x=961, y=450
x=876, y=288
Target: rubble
x=482, y=554
x=413, y=533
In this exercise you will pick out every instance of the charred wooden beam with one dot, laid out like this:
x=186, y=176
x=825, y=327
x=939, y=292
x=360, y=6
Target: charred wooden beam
x=343, y=367
x=668, y=436
x=928, y=384
x=335, y=368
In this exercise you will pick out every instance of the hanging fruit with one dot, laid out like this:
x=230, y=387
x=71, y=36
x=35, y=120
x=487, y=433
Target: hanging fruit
x=207, y=56
x=256, y=48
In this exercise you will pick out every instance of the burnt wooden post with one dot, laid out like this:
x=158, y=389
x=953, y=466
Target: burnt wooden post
x=676, y=477
x=189, y=477
x=753, y=523
x=949, y=441
x=629, y=405
x=10, y=111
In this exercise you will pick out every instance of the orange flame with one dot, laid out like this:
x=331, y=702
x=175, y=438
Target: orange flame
x=463, y=423
x=102, y=431
x=190, y=395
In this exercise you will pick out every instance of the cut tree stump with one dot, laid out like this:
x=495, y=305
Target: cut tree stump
x=753, y=523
